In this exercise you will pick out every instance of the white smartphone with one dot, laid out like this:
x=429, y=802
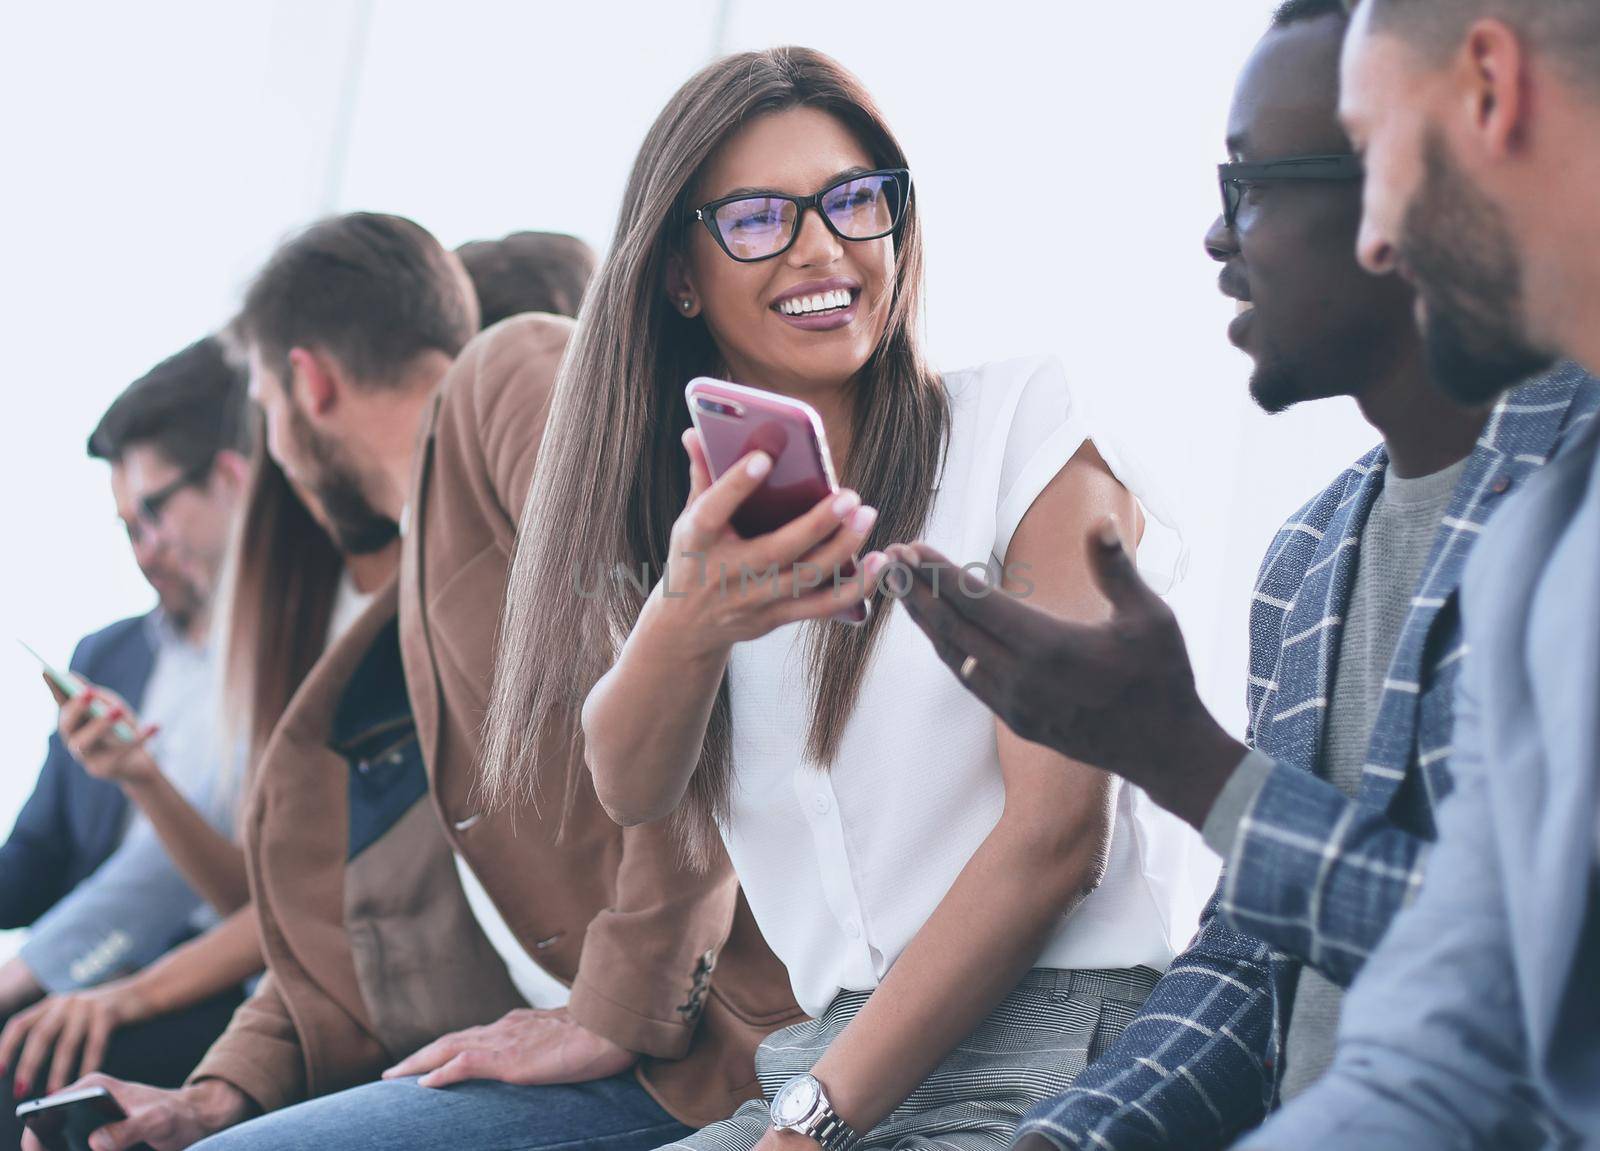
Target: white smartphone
x=71, y=686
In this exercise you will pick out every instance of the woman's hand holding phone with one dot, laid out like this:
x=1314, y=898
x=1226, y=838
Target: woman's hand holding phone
x=720, y=589
x=93, y=741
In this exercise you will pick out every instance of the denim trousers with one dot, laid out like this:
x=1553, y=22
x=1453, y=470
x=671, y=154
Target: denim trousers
x=396, y=1115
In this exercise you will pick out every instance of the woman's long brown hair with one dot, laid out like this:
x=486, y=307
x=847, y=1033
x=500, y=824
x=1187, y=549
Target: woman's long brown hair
x=283, y=577
x=611, y=476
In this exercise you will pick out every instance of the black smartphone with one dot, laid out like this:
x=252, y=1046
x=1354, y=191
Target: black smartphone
x=63, y=1122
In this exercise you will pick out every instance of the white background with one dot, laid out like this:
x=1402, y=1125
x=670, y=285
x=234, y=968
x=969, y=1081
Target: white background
x=152, y=154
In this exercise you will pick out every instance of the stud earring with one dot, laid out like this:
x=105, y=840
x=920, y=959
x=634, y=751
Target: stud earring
x=687, y=303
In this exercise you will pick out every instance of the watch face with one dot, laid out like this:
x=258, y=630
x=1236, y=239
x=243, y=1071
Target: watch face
x=796, y=1100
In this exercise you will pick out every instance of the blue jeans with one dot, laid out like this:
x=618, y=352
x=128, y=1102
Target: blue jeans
x=397, y=1115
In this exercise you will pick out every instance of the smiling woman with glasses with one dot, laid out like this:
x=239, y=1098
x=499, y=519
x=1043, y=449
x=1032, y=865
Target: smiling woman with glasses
x=857, y=206
x=932, y=884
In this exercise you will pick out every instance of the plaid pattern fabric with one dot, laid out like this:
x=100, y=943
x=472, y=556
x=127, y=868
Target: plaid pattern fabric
x=1314, y=876
x=1029, y=1048
x=1314, y=873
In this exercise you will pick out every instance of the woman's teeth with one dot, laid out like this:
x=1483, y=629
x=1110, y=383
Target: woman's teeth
x=1243, y=306
x=821, y=302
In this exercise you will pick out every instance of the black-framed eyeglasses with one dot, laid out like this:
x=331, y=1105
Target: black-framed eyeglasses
x=860, y=206
x=1236, y=178
x=152, y=506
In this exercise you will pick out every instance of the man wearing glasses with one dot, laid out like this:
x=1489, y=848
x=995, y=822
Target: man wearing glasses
x=554, y=972
x=95, y=886
x=1355, y=642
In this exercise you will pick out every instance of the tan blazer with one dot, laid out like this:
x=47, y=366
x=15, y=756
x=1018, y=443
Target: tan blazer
x=341, y=939
x=608, y=911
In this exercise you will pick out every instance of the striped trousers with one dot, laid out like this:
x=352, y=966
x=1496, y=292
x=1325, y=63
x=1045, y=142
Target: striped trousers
x=1031, y=1048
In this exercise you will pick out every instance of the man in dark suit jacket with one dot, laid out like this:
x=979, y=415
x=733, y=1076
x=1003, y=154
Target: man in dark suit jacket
x=95, y=886
x=166, y=438
x=73, y=822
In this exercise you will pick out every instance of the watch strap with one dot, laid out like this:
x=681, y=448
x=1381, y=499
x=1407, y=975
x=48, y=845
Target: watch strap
x=833, y=1132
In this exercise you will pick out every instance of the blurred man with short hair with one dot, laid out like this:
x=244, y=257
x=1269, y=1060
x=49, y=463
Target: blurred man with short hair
x=91, y=878
x=439, y=973
x=528, y=272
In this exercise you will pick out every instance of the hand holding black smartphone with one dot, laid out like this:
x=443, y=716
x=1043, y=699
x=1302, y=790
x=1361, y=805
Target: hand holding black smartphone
x=65, y=1121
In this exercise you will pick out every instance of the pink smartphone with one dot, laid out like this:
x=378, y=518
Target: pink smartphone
x=733, y=421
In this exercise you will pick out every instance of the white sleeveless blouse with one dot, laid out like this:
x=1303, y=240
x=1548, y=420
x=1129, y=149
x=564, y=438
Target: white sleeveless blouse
x=843, y=868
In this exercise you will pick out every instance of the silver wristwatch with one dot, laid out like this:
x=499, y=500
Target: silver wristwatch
x=801, y=1106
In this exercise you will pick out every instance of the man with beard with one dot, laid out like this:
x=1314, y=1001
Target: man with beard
x=1357, y=596
x=1480, y=120
x=97, y=888
x=415, y=942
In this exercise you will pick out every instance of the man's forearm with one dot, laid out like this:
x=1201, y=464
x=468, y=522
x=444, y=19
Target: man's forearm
x=1204, y=758
x=130, y=912
x=1223, y=822
x=220, y=1105
x=211, y=862
x=1312, y=871
x=224, y=957
x=260, y=1053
